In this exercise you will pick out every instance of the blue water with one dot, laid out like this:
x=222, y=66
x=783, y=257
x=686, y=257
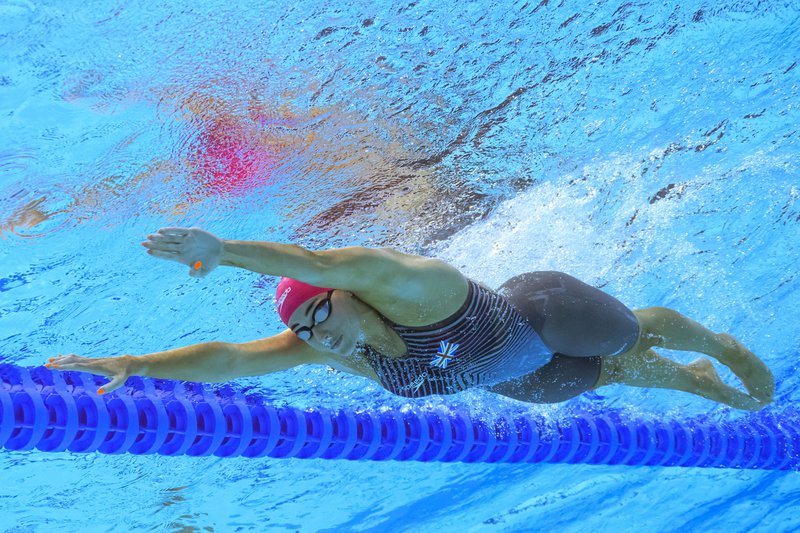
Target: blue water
x=648, y=148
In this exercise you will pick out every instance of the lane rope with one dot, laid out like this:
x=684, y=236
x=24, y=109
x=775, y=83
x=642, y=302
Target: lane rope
x=53, y=411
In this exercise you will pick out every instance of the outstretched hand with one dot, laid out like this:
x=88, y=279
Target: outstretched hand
x=198, y=249
x=117, y=368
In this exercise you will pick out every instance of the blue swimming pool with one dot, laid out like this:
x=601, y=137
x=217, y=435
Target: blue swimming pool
x=648, y=148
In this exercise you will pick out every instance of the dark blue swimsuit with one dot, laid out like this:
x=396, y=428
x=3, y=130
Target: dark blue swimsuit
x=485, y=342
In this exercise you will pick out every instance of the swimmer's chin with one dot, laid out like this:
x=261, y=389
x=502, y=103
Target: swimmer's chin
x=353, y=345
x=344, y=346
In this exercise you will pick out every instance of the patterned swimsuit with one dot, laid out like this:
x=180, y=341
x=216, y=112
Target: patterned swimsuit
x=485, y=342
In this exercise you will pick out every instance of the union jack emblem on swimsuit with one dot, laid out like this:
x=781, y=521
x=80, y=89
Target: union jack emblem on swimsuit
x=447, y=351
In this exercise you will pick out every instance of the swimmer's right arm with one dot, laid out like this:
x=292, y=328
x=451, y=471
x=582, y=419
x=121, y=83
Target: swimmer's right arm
x=210, y=362
x=202, y=252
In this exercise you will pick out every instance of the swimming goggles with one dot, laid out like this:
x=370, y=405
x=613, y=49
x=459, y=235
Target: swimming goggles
x=320, y=315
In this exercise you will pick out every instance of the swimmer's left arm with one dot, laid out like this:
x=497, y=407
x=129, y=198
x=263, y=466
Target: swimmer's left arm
x=207, y=362
x=271, y=258
x=202, y=252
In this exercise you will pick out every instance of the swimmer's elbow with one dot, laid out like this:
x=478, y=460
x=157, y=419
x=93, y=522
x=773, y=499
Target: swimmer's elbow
x=273, y=354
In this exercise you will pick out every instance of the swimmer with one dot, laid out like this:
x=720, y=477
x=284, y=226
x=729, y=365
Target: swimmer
x=418, y=327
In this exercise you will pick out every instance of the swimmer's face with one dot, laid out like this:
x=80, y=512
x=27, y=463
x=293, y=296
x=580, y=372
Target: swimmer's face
x=328, y=322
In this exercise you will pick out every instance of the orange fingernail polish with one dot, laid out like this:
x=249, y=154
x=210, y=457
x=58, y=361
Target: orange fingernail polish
x=52, y=359
x=198, y=265
x=101, y=391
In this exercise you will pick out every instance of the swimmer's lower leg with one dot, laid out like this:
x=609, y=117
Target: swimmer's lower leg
x=669, y=329
x=647, y=369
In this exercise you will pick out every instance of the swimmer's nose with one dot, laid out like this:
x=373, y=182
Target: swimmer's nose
x=327, y=342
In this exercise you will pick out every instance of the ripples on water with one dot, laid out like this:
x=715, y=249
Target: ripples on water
x=342, y=115
x=645, y=147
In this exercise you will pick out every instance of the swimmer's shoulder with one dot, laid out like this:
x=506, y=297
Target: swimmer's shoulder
x=421, y=291
x=407, y=289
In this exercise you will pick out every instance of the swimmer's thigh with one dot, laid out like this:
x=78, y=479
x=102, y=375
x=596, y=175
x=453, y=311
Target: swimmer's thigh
x=564, y=377
x=571, y=317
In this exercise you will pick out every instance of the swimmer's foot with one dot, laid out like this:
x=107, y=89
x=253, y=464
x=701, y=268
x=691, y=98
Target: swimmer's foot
x=711, y=386
x=755, y=375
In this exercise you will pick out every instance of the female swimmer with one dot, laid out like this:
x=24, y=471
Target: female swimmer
x=418, y=327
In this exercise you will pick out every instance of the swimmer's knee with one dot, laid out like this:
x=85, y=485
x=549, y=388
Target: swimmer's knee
x=653, y=315
x=608, y=372
x=651, y=321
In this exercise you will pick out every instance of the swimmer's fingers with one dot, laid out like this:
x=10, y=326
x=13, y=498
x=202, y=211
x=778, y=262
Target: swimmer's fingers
x=166, y=244
x=69, y=362
x=170, y=256
x=160, y=245
x=115, y=383
x=167, y=240
x=102, y=366
x=117, y=368
x=175, y=232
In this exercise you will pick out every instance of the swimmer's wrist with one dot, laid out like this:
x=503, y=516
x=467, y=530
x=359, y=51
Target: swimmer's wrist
x=229, y=257
x=250, y=255
x=134, y=366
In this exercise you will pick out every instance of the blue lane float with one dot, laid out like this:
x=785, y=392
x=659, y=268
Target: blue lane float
x=59, y=411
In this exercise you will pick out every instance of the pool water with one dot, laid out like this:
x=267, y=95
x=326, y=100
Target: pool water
x=648, y=148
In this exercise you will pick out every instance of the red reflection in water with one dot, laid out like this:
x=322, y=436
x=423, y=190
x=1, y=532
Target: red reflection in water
x=229, y=159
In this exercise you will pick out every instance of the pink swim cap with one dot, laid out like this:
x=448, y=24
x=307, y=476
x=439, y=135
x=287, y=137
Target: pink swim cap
x=291, y=294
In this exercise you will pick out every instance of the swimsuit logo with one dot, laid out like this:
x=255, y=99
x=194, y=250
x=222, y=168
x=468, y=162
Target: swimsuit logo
x=447, y=351
x=417, y=383
x=282, y=299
